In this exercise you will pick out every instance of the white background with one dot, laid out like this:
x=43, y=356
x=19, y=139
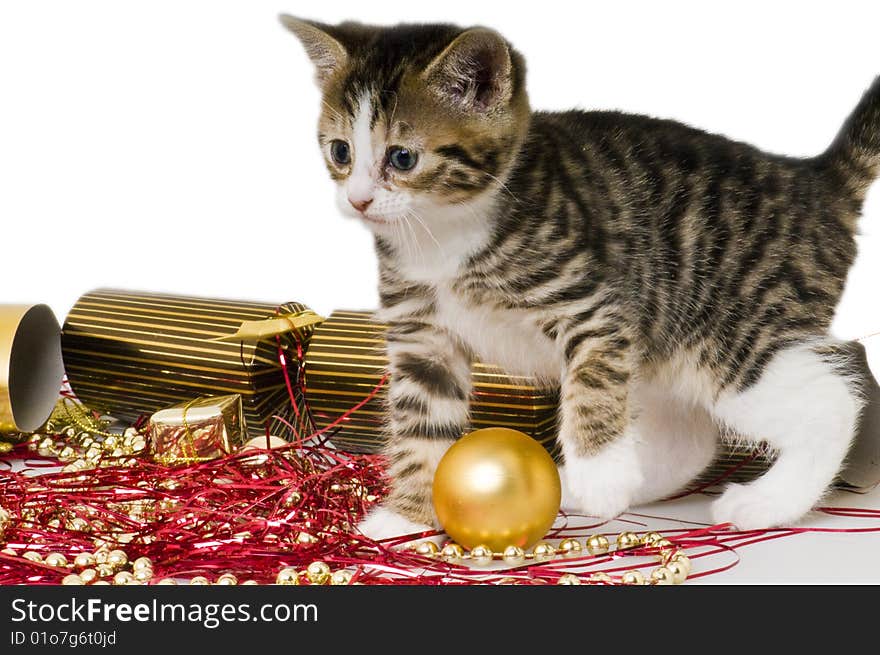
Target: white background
x=170, y=146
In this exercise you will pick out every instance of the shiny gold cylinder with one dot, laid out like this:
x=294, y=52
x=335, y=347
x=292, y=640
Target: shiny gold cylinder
x=129, y=354
x=31, y=368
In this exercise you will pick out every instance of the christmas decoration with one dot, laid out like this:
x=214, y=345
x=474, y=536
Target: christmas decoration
x=675, y=566
x=197, y=430
x=30, y=366
x=495, y=487
x=130, y=354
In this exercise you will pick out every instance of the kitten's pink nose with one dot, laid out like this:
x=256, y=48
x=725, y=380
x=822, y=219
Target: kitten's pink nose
x=359, y=204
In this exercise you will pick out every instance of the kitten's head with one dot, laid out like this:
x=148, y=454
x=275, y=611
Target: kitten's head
x=417, y=120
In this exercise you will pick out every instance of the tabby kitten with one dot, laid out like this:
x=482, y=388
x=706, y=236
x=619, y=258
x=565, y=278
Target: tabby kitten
x=675, y=285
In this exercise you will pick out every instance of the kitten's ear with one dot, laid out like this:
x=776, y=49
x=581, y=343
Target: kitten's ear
x=474, y=71
x=325, y=51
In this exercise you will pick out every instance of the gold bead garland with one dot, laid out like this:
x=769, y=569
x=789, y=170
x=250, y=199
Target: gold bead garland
x=106, y=566
x=674, y=566
x=81, y=442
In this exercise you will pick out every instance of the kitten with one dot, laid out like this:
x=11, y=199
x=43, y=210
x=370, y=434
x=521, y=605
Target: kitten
x=674, y=284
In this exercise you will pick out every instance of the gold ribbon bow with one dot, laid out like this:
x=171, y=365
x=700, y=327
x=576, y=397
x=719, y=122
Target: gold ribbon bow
x=272, y=327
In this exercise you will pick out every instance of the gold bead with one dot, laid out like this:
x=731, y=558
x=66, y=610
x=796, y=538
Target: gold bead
x=633, y=578
x=662, y=543
x=100, y=582
x=306, y=538
x=452, y=552
x=650, y=538
x=56, y=559
x=110, y=443
x=101, y=556
x=200, y=580
x=227, y=579
x=142, y=563
x=88, y=575
x=287, y=576
x=513, y=555
x=167, y=581
x=568, y=579
x=678, y=571
x=427, y=548
x=67, y=454
x=5, y=447
x=72, y=579
x=123, y=577
x=33, y=556
x=318, y=573
x=341, y=577
x=570, y=547
x=84, y=560
x=105, y=570
x=684, y=560
x=143, y=575
x=117, y=558
x=79, y=525
x=292, y=499
x=249, y=583
x=661, y=575
x=598, y=544
x=627, y=540
x=543, y=551
x=481, y=555
x=601, y=577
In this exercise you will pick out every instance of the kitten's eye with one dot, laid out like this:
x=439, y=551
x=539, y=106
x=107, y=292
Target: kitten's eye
x=401, y=158
x=340, y=152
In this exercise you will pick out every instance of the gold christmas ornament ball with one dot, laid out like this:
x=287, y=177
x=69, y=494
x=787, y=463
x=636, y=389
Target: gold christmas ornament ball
x=496, y=487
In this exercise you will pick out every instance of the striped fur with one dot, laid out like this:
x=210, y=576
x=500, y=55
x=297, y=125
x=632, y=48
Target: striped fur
x=594, y=250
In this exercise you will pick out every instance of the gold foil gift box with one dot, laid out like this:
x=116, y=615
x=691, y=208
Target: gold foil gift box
x=346, y=361
x=129, y=354
x=31, y=369
x=198, y=430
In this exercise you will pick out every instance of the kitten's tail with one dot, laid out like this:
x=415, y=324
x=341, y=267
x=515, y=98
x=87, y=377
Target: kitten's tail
x=854, y=156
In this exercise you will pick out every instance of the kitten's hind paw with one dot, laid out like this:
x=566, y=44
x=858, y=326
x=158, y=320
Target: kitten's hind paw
x=383, y=523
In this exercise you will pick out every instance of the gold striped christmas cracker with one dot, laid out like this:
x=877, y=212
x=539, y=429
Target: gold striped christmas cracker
x=346, y=360
x=129, y=354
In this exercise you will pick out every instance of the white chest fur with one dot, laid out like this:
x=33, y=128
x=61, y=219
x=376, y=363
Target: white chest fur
x=509, y=338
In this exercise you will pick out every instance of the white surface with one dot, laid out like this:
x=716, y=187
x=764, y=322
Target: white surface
x=181, y=137
x=807, y=558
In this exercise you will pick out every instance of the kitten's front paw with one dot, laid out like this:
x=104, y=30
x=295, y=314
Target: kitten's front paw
x=605, y=484
x=383, y=523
